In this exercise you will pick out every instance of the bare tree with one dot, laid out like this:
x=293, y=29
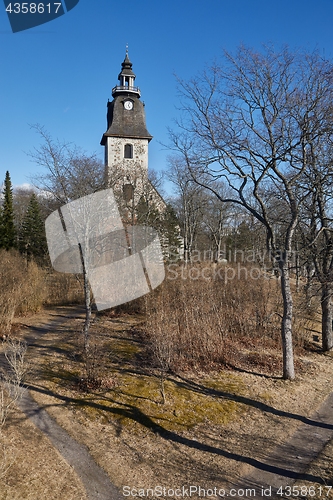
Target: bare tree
x=316, y=226
x=250, y=121
x=189, y=204
x=70, y=174
x=217, y=221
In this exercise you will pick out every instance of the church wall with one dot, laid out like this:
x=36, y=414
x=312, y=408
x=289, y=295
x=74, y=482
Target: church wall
x=124, y=170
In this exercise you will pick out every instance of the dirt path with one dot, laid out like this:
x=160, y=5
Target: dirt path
x=290, y=461
x=93, y=477
x=95, y=480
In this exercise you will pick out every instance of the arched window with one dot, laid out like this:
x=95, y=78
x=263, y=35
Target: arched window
x=128, y=151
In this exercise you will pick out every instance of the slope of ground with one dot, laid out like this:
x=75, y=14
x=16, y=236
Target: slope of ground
x=207, y=434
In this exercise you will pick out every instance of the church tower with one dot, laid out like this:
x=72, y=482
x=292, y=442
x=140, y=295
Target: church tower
x=126, y=139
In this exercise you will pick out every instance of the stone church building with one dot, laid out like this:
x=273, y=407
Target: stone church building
x=126, y=145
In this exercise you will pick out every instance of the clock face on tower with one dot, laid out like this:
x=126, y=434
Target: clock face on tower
x=128, y=105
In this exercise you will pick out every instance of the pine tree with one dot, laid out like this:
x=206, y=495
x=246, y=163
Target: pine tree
x=7, y=226
x=32, y=240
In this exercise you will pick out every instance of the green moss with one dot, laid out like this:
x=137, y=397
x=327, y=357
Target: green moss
x=137, y=402
x=123, y=349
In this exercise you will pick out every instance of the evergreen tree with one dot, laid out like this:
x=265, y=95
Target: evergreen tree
x=147, y=214
x=32, y=240
x=166, y=224
x=7, y=226
x=171, y=232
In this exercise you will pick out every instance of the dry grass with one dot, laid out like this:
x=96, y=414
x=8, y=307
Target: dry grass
x=203, y=323
x=209, y=427
x=25, y=454
x=26, y=288
x=36, y=471
x=63, y=289
x=22, y=288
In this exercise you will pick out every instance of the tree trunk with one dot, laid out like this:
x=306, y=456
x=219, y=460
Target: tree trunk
x=326, y=320
x=298, y=268
x=87, y=321
x=87, y=303
x=286, y=325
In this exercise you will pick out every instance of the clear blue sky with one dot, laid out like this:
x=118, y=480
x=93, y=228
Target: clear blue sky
x=60, y=74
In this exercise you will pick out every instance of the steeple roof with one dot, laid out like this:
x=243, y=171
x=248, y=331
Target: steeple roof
x=126, y=79
x=122, y=122
x=126, y=66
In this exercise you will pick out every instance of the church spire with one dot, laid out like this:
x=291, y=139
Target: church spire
x=126, y=60
x=126, y=79
x=126, y=114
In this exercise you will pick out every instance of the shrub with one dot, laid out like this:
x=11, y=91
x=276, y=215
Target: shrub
x=206, y=321
x=63, y=289
x=22, y=287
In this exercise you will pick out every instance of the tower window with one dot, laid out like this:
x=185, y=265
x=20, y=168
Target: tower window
x=128, y=151
x=128, y=191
